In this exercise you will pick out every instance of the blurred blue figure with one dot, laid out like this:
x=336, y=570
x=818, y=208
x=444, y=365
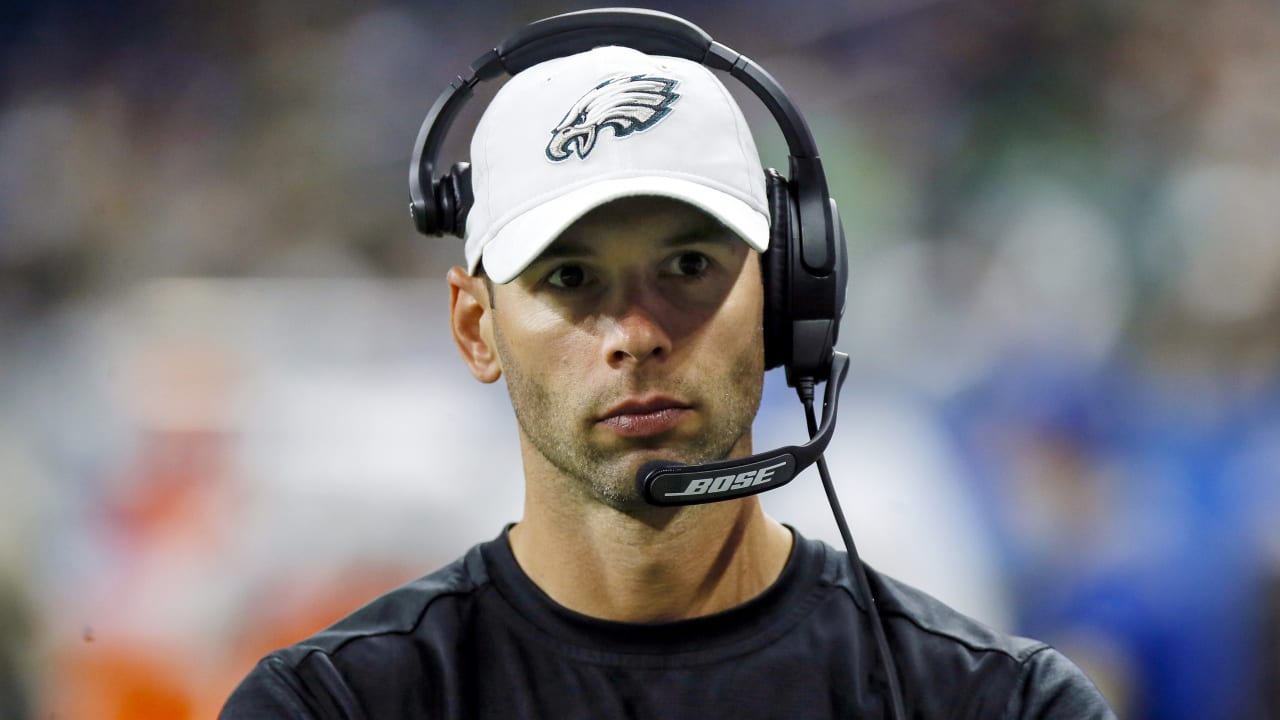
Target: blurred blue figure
x=1123, y=517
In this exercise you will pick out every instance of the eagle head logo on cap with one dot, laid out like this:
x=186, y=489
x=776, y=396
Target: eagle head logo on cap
x=627, y=103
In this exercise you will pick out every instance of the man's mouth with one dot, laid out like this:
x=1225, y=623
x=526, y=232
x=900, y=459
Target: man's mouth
x=645, y=417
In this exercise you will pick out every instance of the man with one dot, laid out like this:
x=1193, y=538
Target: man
x=613, y=279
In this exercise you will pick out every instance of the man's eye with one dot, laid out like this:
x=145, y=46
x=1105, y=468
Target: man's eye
x=567, y=277
x=691, y=264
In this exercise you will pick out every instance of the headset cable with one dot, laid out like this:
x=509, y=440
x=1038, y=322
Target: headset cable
x=804, y=388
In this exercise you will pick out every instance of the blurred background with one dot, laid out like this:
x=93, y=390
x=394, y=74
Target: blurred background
x=230, y=411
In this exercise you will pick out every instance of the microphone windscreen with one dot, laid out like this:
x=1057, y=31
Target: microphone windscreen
x=648, y=471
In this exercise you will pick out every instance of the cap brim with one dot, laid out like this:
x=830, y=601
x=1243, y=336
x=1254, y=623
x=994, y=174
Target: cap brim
x=523, y=239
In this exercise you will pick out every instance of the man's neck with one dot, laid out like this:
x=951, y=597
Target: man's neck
x=601, y=562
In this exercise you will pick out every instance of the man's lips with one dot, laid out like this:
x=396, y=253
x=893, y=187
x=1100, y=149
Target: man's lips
x=640, y=418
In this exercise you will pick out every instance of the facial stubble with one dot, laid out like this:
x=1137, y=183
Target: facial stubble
x=551, y=419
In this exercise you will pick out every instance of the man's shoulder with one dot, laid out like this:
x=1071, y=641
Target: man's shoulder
x=935, y=645
x=401, y=612
x=911, y=615
x=430, y=609
x=930, y=620
x=381, y=645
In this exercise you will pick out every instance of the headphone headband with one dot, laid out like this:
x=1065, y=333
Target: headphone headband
x=649, y=31
x=655, y=33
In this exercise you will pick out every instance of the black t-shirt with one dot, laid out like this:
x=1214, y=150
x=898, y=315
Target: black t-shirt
x=477, y=639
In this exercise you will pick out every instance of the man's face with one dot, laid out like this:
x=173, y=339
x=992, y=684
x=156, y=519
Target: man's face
x=636, y=336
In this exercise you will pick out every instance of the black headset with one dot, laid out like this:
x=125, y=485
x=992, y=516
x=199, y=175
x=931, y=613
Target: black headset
x=805, y=267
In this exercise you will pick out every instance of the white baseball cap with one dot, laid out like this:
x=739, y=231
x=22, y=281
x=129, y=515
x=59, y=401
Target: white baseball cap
x=570, y=134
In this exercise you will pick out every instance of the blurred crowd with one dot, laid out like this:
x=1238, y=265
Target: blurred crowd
x=230, y=412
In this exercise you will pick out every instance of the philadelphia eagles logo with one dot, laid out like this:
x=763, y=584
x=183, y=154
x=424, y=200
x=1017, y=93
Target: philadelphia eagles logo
x=627, y=103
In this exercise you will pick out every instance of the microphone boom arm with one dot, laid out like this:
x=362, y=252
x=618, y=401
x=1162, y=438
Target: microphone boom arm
x=670, y=484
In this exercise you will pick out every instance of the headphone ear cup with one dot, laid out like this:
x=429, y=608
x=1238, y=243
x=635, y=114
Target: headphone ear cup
x=442, y=192
x=424, y=207
x=775, y=272
x=453, y=199
x=418, y=211
x=462, y=197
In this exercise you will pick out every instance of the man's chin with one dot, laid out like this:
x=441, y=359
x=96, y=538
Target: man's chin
x=614, y=480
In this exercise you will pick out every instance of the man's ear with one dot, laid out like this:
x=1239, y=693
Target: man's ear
x=471, y=319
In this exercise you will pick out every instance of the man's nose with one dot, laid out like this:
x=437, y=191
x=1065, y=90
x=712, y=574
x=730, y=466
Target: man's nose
x=638, y=330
